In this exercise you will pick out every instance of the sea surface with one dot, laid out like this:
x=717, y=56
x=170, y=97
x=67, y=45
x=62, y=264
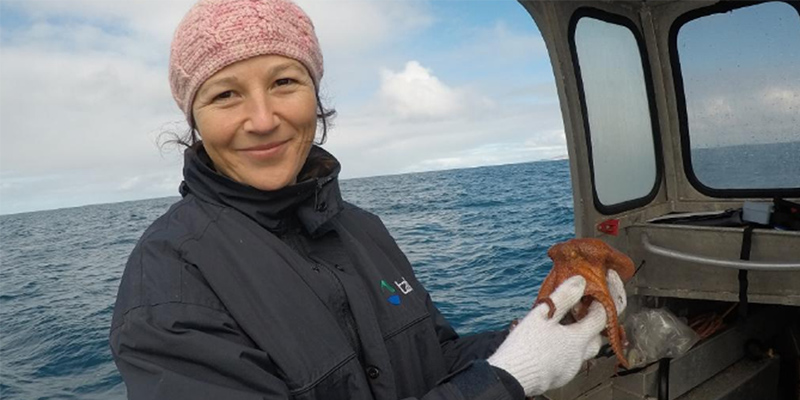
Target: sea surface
x=752, y=166
x=476, y=237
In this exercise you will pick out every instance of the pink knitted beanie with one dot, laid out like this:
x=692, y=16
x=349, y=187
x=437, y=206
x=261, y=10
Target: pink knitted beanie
x=217, y=33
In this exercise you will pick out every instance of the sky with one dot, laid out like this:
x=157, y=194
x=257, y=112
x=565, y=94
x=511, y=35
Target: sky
x=760, y=52
x=418, y=85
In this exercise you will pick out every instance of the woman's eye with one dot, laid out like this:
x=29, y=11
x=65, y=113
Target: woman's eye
x=284, y=81
x=224, y=95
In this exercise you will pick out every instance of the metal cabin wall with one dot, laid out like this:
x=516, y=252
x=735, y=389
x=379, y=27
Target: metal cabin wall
x=552, y=18
x=682, y=193
x=655, y=18
x=675, y=278
x=660, y=276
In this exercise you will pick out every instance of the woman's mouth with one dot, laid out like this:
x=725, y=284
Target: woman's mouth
x=265, y=151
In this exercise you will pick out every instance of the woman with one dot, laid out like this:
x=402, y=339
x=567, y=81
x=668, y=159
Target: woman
x=262, y=283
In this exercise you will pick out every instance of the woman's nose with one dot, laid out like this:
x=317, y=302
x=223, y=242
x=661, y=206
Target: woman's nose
x=261, y=116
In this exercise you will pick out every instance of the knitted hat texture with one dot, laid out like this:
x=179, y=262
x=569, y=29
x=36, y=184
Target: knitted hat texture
x=218, y=33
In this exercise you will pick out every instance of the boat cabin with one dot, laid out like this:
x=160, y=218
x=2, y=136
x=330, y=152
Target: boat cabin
x=682, y=121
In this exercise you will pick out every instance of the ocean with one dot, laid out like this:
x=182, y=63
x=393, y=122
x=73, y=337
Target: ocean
x=477, y=239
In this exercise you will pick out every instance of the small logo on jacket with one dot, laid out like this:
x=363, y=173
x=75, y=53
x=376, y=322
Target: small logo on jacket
x=403, y=285
x=392, y=296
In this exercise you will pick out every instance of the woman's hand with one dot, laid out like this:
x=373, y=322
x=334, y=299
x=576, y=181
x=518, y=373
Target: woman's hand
x=541, y=353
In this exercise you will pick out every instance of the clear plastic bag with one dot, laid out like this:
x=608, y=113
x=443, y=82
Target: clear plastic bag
x=655, y=334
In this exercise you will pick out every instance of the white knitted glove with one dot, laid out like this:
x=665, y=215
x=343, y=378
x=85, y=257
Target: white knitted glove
x=541, y=353
x=616, y=288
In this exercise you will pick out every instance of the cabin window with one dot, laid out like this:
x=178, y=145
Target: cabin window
x=618, y=113
x=737, y=71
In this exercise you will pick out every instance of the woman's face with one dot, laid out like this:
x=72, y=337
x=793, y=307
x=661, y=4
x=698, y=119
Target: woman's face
x=257, y=119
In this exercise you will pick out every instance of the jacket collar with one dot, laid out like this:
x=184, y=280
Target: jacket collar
x=312, y=201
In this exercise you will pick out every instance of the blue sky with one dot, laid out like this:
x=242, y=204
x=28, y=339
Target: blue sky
x=418, y=85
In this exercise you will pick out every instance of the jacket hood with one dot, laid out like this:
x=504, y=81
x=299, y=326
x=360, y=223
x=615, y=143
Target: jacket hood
x=312, y=201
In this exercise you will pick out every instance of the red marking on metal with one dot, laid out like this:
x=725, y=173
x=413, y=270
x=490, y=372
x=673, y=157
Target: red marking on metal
x=610, y=226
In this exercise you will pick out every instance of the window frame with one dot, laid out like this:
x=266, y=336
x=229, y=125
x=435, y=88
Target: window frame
x=680, y=97
x=620, y=20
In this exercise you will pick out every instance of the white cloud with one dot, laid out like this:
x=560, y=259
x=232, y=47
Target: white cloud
x=80, y=187
x=782, y=99
x=718, y=107
x=130, y=183
x=374, y=144
x=348, y=27
x=151, y=18
x=63, y=111
x=548, y=139
x=748, y=113
x=490, y=154
x=416, y=93
x=760, y=108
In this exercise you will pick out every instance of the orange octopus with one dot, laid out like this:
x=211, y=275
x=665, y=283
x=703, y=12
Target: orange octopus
x=589, y=258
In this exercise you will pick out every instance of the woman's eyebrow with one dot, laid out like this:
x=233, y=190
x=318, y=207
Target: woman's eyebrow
x=285, y=66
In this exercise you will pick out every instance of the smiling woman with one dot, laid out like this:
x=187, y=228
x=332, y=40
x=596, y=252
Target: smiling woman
x=263, y=283
x=257, y=121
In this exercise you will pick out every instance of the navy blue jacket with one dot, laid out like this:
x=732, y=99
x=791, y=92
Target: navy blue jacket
x=237, y=293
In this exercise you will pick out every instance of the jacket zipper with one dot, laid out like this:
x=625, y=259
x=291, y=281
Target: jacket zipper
x=320, y=183
x=346, y=311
